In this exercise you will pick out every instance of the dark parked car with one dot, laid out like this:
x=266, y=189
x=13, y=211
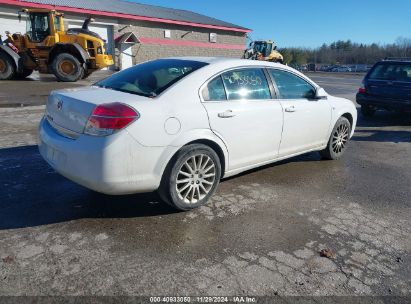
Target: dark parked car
x=386, y=86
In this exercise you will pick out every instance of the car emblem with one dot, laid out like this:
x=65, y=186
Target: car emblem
x=59, y=105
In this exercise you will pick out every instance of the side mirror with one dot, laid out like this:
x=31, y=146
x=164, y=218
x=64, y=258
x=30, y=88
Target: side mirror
x=321, y=94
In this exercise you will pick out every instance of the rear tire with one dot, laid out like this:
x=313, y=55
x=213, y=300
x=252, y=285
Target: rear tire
x=7, y=67
x=191, y=177
x=338, y=141
x=367, y=111
x=67, y=68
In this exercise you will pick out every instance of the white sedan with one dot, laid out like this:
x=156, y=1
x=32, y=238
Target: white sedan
x=179, y=125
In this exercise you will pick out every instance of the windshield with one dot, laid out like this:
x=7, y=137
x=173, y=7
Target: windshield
x=263, y=48
x=392, y=71
x=38, y=26
x=150, y=78
x=57, y=23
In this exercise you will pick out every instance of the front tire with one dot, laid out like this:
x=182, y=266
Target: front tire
x=7, y=67
x=191, y=177
x=338, y=141
x=67, y=68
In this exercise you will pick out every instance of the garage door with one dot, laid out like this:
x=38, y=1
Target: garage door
x=12, y=25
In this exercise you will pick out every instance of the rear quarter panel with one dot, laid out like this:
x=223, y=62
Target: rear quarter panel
x=170, y=118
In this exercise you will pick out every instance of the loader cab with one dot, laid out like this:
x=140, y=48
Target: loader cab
x=42, y=24
x=263, y=47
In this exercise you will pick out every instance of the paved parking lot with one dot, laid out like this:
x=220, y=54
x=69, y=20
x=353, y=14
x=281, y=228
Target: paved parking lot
x=260, y=235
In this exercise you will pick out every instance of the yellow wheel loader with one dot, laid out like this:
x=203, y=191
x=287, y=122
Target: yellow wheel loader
x=46, y=47
x=264, y=50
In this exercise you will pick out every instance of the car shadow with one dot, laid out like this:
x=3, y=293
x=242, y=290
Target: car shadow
x=33, y=194
x=384, y=127
x=307, y=157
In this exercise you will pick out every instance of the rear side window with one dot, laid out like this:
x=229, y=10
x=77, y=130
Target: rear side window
x=151, y=78
x=388, y=71
x=214, y=90
x=291, y=86
x=246, y=84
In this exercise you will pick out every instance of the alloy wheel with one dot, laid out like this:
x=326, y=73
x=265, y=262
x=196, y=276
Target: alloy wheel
x=340, y=138
x=195, y=178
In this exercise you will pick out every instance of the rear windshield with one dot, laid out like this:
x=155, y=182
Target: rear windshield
x=392, y=71
x=150, y=78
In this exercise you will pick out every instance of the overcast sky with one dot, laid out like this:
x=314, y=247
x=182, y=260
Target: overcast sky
x=308, y=23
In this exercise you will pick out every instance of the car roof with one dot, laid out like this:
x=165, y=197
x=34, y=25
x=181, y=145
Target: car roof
x=233, y=62
x=218, y=64
x=396, y=61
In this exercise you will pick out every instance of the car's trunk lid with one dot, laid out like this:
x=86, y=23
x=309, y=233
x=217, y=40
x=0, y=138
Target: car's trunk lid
x=70, y=109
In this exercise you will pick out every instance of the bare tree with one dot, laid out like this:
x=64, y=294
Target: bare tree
x=347, y=52
x=404, y=44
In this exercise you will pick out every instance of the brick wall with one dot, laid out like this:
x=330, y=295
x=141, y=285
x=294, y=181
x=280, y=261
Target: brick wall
x=144, y=52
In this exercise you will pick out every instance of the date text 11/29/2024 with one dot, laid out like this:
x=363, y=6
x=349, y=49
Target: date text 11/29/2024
x=203, y=299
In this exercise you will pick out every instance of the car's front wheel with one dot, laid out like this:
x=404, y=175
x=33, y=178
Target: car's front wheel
x=337, y=144
x=191, y=178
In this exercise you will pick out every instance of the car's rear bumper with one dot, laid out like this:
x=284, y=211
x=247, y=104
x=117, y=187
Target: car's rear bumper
x=383, y=103
x=115, y=164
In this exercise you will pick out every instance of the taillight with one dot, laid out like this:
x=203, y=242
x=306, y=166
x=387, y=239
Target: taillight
x=109, y=118
x=362, y=88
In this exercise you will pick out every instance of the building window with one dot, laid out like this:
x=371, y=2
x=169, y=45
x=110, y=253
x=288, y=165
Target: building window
x=213, y=37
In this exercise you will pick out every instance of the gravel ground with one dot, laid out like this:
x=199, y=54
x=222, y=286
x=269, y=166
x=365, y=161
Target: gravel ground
x=261, y=234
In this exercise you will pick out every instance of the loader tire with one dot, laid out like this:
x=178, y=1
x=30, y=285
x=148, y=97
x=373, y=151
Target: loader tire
x=7, y=67
x=67, y=68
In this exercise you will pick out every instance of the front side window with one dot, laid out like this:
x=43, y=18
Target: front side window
x=393, y=72
x=151, y=78
x=57, y=23
x=214, y=90
x=246, y=84
x=38, y=26
x=291, y=86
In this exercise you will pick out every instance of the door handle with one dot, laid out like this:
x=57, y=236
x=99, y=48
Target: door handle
x=290, y=109
x=226, y=114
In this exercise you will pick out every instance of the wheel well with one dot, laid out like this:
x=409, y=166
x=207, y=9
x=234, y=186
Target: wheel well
x=70, y=49
x=217, y=149
x=10, y=57
x=349, y=117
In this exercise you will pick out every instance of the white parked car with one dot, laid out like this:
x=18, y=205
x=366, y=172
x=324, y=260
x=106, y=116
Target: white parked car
x=179, y=125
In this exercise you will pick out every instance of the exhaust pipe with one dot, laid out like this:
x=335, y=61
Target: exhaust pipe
x=87, y=23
